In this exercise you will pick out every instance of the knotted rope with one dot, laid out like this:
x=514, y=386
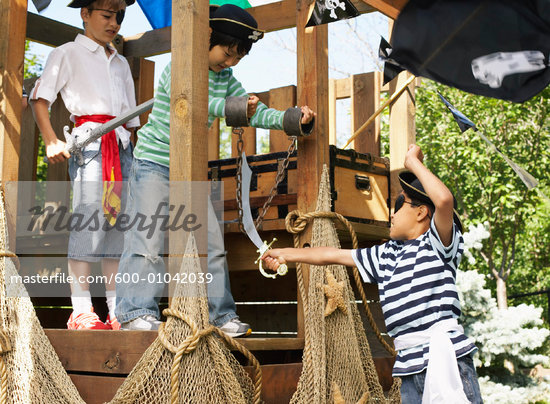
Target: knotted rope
x=295, y=223
x=190, y=343
x=5, y=346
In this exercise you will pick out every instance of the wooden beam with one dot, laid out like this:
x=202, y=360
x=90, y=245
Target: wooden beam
x=313, y=150
x=54, y=33
x=402, y=128
x=365, y=100
x=270, y=17
x=391, y=8
x=281, y=99
x=13, y=20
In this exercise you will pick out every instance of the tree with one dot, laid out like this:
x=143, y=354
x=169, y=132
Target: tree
x=486, y=188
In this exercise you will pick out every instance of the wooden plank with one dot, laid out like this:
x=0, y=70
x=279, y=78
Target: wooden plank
x=402, y=128
x=111, y=352
x=96, y=389
x=13, y=20
x=143, y=71
x=313, y=151
x=343, y=88
x=365, y=100
x=214, y=140
x=270, y=17
x=280, y=98
x=279, y=382
x=391, y=8
x=29, y=138
x=332, y=133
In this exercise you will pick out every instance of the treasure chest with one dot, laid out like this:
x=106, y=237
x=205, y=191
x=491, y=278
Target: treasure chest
x=360, y=185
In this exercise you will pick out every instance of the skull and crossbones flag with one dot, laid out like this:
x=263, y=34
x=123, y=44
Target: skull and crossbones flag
x=326, y=11
x=494, y=48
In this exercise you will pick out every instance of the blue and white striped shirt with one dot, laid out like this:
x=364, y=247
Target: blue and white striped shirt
x=416, y=282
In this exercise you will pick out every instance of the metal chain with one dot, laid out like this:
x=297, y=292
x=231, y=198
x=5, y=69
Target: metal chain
x=239, y=132
x=280, y=176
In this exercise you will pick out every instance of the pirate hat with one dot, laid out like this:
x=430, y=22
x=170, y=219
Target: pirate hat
x=84, y=3
x=234, y=21
x=414, y=190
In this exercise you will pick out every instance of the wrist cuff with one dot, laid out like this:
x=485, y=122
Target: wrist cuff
x=236, y=111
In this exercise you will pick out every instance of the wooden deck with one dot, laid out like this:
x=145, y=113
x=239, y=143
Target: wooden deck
x=99, y=369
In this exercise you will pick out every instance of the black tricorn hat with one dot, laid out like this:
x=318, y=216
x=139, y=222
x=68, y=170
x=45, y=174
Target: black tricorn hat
x=414, y=190
x=84, y=3
x=232, y=20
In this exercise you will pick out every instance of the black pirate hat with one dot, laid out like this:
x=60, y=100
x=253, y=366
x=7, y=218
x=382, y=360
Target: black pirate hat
x=84, y=3
x=234, y=21
x=414, y=190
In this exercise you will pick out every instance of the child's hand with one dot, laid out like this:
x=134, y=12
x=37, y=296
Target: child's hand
x=252, y=105
x=413, y=154
x=56, y=153
x=307, y=115
x=273, y=259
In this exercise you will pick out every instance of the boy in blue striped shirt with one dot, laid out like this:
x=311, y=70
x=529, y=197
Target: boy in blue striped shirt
x=416, y=273
x=232, y=33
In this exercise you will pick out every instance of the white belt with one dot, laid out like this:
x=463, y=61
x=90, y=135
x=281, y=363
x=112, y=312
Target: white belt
x=443, y=383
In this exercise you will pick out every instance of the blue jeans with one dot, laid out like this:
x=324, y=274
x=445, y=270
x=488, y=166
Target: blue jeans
x=412, y=386
x=148, y=189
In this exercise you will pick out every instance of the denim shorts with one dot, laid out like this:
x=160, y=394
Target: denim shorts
x=91, y=237
x=412, y=386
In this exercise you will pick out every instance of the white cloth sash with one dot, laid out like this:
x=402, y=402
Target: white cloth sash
x=443, y=383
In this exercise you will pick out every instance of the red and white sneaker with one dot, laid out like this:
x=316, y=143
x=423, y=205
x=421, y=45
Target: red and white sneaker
x=86, y=321
x=112, y=322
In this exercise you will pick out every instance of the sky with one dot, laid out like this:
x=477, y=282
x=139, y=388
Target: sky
x=353, y=46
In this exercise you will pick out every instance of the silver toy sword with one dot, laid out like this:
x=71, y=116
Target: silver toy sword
x=248, y=223
x=75, y=144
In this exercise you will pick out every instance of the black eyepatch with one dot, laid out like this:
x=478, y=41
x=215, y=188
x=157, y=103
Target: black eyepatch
x=119, y=14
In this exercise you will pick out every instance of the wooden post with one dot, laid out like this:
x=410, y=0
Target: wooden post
x=280, y=98
x=402, y=128
x=332, y=132
x=365, y=100
x=313, y=151
x=188, y=116
x=143, y=71
x=214, y=140
x=13, y=20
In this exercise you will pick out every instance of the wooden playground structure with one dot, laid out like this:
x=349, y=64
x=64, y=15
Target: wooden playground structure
x=272, y=307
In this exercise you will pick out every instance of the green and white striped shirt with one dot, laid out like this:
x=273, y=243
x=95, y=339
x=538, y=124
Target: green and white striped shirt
x=154, y=137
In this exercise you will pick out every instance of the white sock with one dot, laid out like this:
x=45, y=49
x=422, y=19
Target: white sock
x=110, y=295
x=82, y=302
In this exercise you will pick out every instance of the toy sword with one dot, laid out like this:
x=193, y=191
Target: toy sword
x=76, y=143
x=248, y=223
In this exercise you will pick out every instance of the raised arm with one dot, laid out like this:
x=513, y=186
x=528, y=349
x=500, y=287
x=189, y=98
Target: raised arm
x=437, y=191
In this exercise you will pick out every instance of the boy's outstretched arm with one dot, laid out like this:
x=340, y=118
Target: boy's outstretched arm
x=437, y=191
x=55, y=148
x=314, y=256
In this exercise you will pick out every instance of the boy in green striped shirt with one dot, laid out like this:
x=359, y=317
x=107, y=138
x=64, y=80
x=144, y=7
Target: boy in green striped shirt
x=232, y=33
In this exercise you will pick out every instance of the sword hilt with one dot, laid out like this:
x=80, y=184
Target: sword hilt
x=281, y=270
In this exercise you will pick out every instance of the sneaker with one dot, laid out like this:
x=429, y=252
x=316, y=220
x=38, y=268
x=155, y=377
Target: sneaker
x=112, y=322
x=86, y=321
x=236, y=328
x=142, y=323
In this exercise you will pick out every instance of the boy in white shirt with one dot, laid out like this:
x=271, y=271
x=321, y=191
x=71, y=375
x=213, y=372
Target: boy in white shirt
x=96, y=85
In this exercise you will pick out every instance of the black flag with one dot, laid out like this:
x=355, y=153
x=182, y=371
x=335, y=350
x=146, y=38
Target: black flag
x=326, y=11
x=465, y=124
x=495, y=48
x=41, y=4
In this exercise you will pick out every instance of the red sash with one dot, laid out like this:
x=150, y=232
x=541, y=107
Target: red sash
x=110, y=164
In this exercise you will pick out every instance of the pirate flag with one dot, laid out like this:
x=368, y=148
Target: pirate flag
x=495, y=48
x=464, y=123
x=41, y=4
x=326, y=11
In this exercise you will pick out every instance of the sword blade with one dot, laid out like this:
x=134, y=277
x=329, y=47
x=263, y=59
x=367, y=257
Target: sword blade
x=248, y=222
x=114, y=123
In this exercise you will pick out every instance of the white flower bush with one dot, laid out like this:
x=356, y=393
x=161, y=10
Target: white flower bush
x=501, y=335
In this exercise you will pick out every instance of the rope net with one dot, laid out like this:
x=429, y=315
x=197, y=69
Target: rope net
x=337, y=361
x=30, y=369
x=189, y=361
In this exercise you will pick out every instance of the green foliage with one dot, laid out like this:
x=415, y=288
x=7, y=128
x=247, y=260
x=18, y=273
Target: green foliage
x=486, y=188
